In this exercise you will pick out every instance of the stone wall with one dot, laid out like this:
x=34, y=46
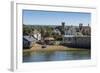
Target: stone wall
x=82, y=42
x=79, y=42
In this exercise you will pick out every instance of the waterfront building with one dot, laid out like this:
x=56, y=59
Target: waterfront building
x=28, y=41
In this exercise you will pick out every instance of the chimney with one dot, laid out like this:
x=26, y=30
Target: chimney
x=88, y=25
x=63, y=27
x=80, y=26
x=63, y=24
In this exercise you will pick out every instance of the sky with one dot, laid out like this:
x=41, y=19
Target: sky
x=37, y=17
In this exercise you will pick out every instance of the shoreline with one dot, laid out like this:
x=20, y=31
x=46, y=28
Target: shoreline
x=53, y=48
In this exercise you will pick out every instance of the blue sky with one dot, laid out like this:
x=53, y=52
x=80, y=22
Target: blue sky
x=31, y=17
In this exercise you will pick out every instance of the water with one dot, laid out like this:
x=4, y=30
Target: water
x=55, y=56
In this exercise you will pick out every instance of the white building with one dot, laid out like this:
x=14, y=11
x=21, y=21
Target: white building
x=37, y=35
x=56, y=31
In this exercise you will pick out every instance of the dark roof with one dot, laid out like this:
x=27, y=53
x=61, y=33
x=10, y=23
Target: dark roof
x=29, y=38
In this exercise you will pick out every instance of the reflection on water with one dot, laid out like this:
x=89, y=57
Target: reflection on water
x=55, y=56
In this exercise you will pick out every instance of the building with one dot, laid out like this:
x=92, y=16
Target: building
x=86, y=30
x=77, y=41
x=70, y=31
x=49, y=40
x=28, y=42
x=74, y=38
x=56, y=31
x=36, y=35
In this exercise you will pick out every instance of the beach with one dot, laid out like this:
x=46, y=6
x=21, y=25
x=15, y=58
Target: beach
x=38, y=47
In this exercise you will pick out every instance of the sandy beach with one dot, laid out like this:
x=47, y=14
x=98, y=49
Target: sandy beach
x=38, y=47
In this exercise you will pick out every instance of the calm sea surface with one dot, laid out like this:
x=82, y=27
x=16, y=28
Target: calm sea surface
x=55, y=56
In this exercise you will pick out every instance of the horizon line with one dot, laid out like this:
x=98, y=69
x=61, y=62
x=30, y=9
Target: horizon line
x=54, y=25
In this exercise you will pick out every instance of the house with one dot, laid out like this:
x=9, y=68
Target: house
x=70, y=31
x=86, y=30
x=79, y=39
x=49, y=40
x=36, y=35
x=56, y=31
x=28, y=41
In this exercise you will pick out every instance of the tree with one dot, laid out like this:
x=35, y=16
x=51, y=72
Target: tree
x=26, y=30
x=42, y=33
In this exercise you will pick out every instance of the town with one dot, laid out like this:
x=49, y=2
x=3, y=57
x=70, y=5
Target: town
x=56, y=37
